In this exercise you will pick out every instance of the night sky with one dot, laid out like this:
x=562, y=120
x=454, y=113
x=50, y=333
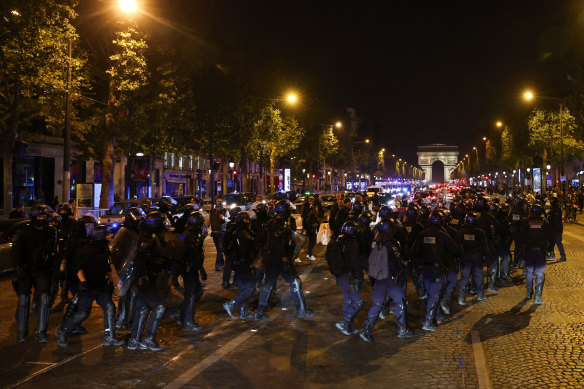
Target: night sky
x=416, y=72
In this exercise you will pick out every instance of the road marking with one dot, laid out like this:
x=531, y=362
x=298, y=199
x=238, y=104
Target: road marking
x=194, y=371
x=42, y=371
x=480, y=362
x=575, y=236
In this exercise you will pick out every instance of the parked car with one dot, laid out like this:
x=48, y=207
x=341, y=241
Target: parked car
x=114, y=216
x=241, y=200
x=8, y=230
x=327, y=201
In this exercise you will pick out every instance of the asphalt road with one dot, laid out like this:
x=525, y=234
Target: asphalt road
x=502, y=342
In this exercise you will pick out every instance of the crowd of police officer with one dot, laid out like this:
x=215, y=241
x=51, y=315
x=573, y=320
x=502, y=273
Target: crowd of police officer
x=148, y=256
x=438, y=248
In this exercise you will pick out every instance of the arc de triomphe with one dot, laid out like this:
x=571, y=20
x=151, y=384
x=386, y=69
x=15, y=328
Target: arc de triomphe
x=429, y=154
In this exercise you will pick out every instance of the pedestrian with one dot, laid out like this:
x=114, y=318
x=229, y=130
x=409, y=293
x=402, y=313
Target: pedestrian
x=556, y=223
x=310, y=224
x=17, y=213
x=73, y=205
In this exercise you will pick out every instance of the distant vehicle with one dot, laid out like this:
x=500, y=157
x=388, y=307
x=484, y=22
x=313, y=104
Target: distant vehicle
x=373, y=190
x=241, y=200
x=328, y=201
x=114, y=216
x=8, y=230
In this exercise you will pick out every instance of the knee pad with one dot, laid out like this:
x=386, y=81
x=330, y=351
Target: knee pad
x=159, y=311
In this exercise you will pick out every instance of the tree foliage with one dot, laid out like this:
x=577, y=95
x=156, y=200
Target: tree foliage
x=544, y=134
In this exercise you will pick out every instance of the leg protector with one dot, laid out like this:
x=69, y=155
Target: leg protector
x=22, y=316
x=298, y=296
x=44, y=311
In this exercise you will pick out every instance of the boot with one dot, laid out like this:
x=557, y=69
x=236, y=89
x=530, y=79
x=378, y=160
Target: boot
x=263, y=300
x=138, y=327
x=445, y=303
x=439, y=317
x=44, y=311
x=148, y=343
x=422, y=293
x=189, y=319
x=229, y=307
x=109, y=337
x=461, y=297
x=243, y=312
x=529, y=291
x=367, y=330
x=481, y=295
x=538, y=291
x=562, y=258
x=61, y=338
x=351, y=327
x=427, y=325
x=402, y=326
x=492, y=278
x=301, y=311
x=121, y=311
x=22, y=317
x=343, y=326
x=177, y=316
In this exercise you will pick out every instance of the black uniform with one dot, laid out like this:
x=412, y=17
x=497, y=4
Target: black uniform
x=36, y=264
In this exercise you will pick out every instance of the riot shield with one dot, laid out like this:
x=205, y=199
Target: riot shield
x=123, y=247
x=300, y=240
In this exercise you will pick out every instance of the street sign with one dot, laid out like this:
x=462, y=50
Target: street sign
x=563, y=179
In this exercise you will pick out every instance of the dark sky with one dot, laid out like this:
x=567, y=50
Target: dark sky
x=417, y=72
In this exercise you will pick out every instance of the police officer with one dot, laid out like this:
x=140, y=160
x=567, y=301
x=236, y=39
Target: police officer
x=94, y=272
x=474, y=243
x=190, y=262
x=536, y=236
x=492, y=228
x=258, y=227
x=412, y=226
x=350, y=279
x=123, y=251
x=277, y=260
x=33, y=254
x=432, y=250
x=389, y=271
x=70, y=236
x=242, y=256
x=227, y=249
x=504, y=247
x=517, y=217
x=150, y=268
x=452, y=267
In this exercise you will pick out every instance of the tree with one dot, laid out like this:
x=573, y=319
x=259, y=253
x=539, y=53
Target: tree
x=328, y=147
x=128, y=74
x=274, y=136
x=544, y=134
x=34, y=38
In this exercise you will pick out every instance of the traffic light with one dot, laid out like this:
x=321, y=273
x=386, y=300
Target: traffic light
x=234, y=173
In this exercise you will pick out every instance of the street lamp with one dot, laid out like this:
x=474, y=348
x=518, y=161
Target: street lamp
x=291, y=98
x=528, y=95
x=499, y=124
x=338, y=124
x=128, y=6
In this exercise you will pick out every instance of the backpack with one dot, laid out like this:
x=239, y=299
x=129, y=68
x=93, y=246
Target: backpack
x=334, y=258
x=378, y=262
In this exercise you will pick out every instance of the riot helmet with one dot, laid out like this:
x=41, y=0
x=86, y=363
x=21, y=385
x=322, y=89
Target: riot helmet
x=384, y=212
x=242, y=218
x=536, y=211
x=357, y=207
x=98, y=233
x=133, y=217
x=366, y=217
x=261, y=210
x=154, y=222
x=64, y=209
x=472, y=219
x=282, y=208
x=39, y=214
x=54, y=219
x=436, y=219
x=195, y=221
x=350, y=228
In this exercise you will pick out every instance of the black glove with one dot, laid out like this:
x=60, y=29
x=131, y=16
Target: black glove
x=83, y=286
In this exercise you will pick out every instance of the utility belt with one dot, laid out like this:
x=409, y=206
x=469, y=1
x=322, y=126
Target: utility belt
x=534, y=249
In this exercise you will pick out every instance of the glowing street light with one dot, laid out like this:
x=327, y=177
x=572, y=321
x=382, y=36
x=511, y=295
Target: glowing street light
x=292, y=98
x=338, y=124
x=499, y=124
x=129, y=6
x=367, y=140
x=528, y=95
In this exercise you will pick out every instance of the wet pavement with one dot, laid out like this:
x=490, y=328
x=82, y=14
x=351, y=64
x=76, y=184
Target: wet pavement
x=502, y=342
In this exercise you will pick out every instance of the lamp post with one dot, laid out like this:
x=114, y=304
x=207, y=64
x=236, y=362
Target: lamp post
x=528, y=95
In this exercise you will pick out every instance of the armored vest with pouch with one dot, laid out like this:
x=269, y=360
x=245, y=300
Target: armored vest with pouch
x=536, y=237
x=471, y=239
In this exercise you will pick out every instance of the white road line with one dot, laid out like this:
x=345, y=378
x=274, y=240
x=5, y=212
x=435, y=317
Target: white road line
x=42, y=371
x=480, y=362
x=194, y=371
x=575, y=236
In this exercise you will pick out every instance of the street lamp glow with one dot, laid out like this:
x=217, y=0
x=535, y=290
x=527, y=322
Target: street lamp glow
x=499, y=124
x=484, y=138
x=474, y=148
x=15, y=12
x=367, y=140
x=129, y=6
x=528, y=95
x=291, y=98
x=338, y=124
x=383, y=150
